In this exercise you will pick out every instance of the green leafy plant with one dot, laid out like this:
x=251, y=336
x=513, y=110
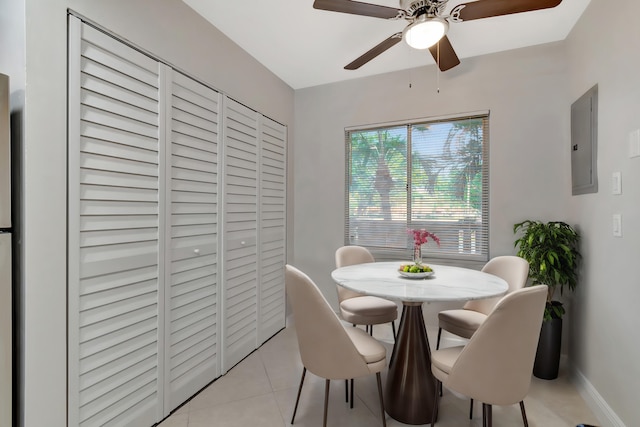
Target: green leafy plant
x=552, y=252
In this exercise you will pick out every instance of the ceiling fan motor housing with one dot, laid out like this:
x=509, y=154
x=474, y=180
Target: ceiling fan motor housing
x=415, y=8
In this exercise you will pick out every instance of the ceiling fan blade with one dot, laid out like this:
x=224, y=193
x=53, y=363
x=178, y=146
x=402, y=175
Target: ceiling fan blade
x=447, y=56
x=375, y=51
x=487, y=8
x=356, y=8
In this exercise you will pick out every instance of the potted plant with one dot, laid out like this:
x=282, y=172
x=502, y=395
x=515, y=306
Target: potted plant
x=551, y=249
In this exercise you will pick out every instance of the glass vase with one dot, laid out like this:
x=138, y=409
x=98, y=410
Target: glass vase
x=417, y=254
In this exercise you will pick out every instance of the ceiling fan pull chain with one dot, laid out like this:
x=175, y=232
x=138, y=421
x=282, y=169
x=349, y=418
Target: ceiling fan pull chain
x=438, y=67
x=410, y=78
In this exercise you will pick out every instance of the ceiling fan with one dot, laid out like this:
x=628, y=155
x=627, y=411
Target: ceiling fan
x=428, y=24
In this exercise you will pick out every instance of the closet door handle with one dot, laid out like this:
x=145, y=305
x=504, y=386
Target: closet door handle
x=196, y=251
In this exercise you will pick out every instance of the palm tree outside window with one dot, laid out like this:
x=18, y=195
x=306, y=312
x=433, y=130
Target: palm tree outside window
x=427, y=174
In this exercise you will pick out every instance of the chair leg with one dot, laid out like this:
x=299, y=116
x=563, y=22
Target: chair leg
x=352, y=393
x=434, y=413
x=326, y=402
x=295, y=408
x=524, y=414
x=346, y=391
x=393, y=328
x=371, y=330
x=471, y=409
x=487, y=415
x=384, y=418
x=438, y=340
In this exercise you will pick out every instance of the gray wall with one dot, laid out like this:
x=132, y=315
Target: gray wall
x=166, y=28
x=603, y=49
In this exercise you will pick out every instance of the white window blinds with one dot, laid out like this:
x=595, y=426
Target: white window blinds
x=428, y=174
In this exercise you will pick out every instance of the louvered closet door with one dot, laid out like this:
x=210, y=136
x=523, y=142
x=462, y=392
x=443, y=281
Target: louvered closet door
x=240, y=227
x=192, y=330
x=272, y=228
x=114, y=278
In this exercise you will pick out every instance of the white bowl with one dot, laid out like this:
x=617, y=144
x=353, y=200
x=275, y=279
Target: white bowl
x=420, y=275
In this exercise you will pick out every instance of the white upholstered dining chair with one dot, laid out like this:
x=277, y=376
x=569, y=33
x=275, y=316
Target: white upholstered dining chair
x=496, y=365
x=327, y=348
x=359, y=309
x=465, y=321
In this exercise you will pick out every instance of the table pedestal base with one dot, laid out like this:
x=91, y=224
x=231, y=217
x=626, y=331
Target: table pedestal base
x=410, y=388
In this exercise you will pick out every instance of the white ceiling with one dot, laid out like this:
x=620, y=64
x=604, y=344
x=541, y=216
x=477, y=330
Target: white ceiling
x=308, y=47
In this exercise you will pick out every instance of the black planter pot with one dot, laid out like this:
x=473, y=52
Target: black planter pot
x=547, y=360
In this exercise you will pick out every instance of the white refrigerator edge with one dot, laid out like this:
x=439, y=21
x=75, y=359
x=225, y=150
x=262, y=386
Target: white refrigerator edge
x=6, y=328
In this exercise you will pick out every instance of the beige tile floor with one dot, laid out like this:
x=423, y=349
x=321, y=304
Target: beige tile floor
x=261, y=391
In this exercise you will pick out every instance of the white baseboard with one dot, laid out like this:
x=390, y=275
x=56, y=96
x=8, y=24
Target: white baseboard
x=600, y=408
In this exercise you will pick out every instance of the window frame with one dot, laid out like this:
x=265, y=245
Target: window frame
x=430, y=251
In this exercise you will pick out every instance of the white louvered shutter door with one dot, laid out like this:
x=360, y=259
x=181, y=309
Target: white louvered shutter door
x=114, y=241
x=192, y=269
x=272, y=228
x=240, y=227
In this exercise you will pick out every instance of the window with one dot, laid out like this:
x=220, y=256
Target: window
x=428, y=174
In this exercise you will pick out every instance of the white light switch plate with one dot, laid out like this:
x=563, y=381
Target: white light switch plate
x=617, y=225
x=616, y=183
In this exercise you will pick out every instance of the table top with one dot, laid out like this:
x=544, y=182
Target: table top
x=448, y=283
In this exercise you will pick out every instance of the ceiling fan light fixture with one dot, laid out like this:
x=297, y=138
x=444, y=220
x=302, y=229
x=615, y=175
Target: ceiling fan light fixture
x=425, y=31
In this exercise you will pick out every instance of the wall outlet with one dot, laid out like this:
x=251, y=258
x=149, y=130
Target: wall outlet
x=617, y=225
x=616, y=183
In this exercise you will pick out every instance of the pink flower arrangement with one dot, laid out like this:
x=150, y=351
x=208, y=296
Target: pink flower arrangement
x=421, y=237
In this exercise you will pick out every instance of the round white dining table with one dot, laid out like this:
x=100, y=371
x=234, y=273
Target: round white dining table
x=410, y=386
